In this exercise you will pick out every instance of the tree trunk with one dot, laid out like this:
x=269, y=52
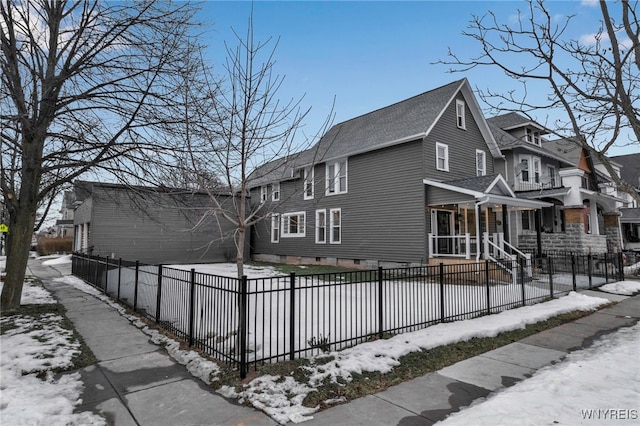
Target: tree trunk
x=240, y=235
x=21, y=232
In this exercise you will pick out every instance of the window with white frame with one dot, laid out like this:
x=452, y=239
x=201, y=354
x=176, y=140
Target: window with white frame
x=263, y=194
x=524, y=169
x=460, y=114
x=309, y=184
x=336, y=177
x=530, y=167
x=481, y=163
x=275, y=191
x=275, y=228
x=335, y=236
x=321, y=226
x=442, y=157
x=535, y=161
x=532, y=136
x=293, y=225
x=551, y=171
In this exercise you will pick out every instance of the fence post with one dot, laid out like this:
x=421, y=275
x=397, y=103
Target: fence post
x=521, y=272
x=119, y=277
x=573, y=271
x=242, y=327
x=106, y=275
x=192, y=290
x=159, y=293
x=589, y=265
x=441, y=280
x=486, y=280
x=380, y=303
x=292, y=312
x=135, y=287
x=621, y=265
x=95, y=273
x=550, y=266
x=606, y=269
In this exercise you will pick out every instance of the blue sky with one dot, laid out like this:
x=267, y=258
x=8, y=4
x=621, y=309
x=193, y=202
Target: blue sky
x=369, y=54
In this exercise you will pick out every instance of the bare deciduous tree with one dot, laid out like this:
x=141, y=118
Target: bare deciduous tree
x=593, y=81
x=239, y=125
x=82, y=82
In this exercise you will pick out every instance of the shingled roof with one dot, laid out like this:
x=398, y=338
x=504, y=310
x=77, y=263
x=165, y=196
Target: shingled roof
x=630, y=168
x=404, y=121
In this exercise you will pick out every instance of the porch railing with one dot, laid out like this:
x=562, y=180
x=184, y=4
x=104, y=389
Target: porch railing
x=450, y=245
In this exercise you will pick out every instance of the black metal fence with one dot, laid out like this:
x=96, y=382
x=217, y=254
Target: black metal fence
x=246, y=322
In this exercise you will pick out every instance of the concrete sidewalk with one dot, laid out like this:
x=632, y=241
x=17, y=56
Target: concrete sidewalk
x=136, y=383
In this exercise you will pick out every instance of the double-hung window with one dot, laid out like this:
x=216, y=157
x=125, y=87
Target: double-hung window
x=481, y=163
x=530, y=167
x=460, y=114
x=536, y=169
x=263, y=194
x=293, y=225
x=442, y=157
x=321, y=226
x=275, y=191
x=308, y=183
x=551, y=171
x=336, y=177
x=335, y=236
x=275, y=228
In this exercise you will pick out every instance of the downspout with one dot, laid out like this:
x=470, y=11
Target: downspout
x=479, y=242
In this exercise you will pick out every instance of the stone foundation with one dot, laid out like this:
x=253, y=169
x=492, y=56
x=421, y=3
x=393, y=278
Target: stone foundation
x=565, y=241
x=612, y=231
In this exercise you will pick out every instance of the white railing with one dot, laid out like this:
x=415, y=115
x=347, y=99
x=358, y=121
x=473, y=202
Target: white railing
x=450, y=245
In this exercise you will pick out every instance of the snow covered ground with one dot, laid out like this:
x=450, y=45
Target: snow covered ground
x=26, y=399
x=596, y=385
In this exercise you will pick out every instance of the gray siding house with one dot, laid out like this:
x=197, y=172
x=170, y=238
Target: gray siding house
x=152, y=225
x=582, y=215
x=389, y=187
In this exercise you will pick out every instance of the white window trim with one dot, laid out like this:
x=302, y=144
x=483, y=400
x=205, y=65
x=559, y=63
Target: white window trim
x=331, y=226
x=284, y=229
x=446, y=157
x=532, y=161
x=309, y=180
x=318, y=241
x=535, y=161
x=483, y=171
x=336, y=177
x=553, y=176
x=275, y=228
x=275, y=191
x=461, y=120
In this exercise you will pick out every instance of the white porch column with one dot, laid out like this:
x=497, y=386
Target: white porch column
x=593, y=211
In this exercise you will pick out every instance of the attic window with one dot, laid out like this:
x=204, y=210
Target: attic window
x=460, y=114
x=532, y=136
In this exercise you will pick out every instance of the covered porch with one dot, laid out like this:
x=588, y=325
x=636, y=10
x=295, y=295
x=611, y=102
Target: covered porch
x=468, y=219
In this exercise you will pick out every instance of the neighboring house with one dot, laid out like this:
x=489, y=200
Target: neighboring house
x=583, y=213
x=152, y=225
x=630, y=215
x=64, y=225
x=410, y=182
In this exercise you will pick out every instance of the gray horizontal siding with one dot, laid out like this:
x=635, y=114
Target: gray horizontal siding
x=382, y=213
x=462, y=146
x=157, y=229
